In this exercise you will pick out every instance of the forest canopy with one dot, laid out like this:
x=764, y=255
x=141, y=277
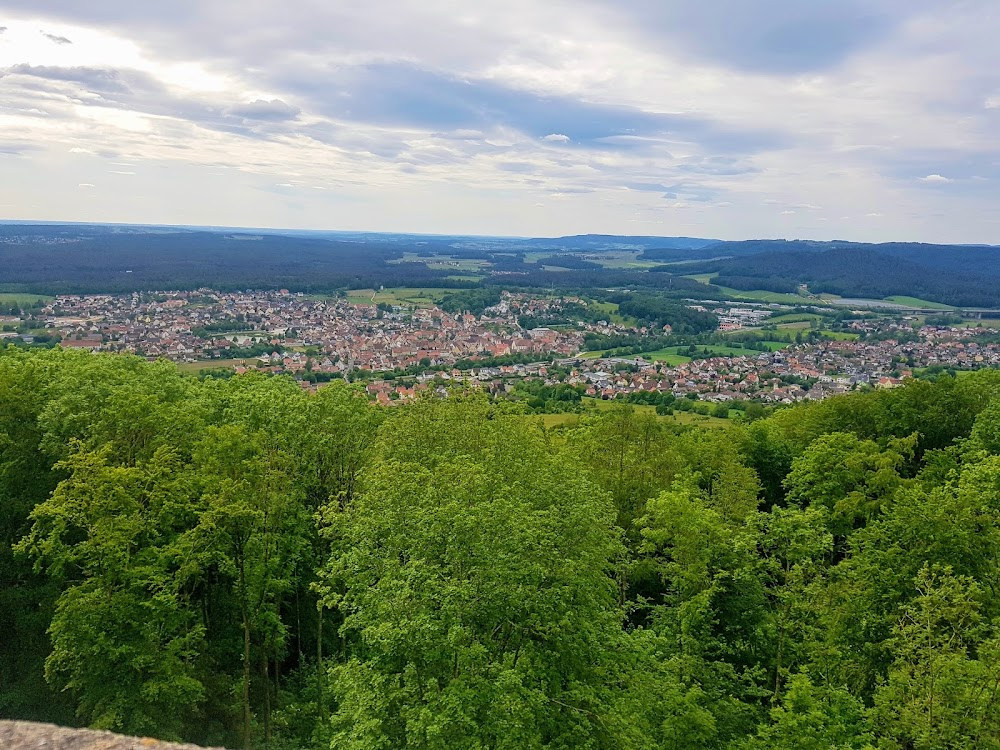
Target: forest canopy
x=242, y=562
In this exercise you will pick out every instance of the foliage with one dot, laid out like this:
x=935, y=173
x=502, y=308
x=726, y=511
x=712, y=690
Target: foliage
x=240, y=562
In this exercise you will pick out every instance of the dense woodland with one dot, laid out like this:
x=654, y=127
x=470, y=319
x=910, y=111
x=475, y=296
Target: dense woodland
x=241, y=562
x=79, y=259
x=863, y=272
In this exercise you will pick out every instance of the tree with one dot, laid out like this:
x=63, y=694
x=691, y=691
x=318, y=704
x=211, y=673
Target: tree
x=812, y=717
x=943, y=689
x=125, y=639
x=473, y=582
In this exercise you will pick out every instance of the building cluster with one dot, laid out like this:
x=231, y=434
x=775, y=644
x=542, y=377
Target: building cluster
x=285, y=332
x=322, y=335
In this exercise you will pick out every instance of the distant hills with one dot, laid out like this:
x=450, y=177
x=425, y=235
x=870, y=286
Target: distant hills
x=80, y=258
x=960, y=275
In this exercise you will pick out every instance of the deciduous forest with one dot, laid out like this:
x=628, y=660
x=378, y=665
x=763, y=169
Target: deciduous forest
x=240, y=562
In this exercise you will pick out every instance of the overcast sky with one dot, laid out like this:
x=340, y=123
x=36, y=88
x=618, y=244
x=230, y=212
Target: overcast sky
x=858, y=119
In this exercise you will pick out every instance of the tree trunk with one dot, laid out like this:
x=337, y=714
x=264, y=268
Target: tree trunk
x=267, y=698
x=319, y=668
x=246, y=656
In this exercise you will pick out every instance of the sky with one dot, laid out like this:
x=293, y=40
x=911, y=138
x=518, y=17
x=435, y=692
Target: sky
x=869, y=120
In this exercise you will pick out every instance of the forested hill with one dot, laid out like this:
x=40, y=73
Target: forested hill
x=858, y=272
x=242, y=563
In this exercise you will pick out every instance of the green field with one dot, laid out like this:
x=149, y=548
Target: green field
x=984, y=323
x=917, y=302
x=678, y=355
x=754, y=295
x=840, y=336
x=668, y=356
x=794, y=318
x=620, y=259
x=443, y=262
x=611, y=310
x=21, y=299
x=762, y=295
x=419, y=297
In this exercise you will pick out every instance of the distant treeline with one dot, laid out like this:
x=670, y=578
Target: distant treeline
x=852, y=272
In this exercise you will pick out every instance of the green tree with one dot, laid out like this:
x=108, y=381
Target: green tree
x=943, y=689
x=125, y=638
x=474, y=584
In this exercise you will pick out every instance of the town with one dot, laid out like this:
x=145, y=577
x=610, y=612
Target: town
x=318, y=339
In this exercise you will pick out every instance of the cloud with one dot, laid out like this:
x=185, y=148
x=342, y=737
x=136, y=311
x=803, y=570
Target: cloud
x=768, y=36
x=273, y=110
x=141, y=92
x=86, y=185
x=935, y=178
x=56, y=39
x=405, y=95
x=844, y=104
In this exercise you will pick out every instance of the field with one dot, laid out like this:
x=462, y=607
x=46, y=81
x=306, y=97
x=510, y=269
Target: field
x=917, y=302
x=672, y=356
x=678, y=355
x=443, y=262
x=21, y=299
x=984, y=323
x=611, y=310
x=403, y=296
x=753, y=295
x=620, y=259
x=668, y=356
x=794, y=318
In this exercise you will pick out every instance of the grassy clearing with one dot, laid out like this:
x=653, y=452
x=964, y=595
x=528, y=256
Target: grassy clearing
x=917, y=302
x=419, y=297
x=610, y=309
x=753, y=295
x=668, y=356
x=762, y=295
x=21, y=299
x=443, y=262
x=984, y=323
x=794, y=318
x=718, y=350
